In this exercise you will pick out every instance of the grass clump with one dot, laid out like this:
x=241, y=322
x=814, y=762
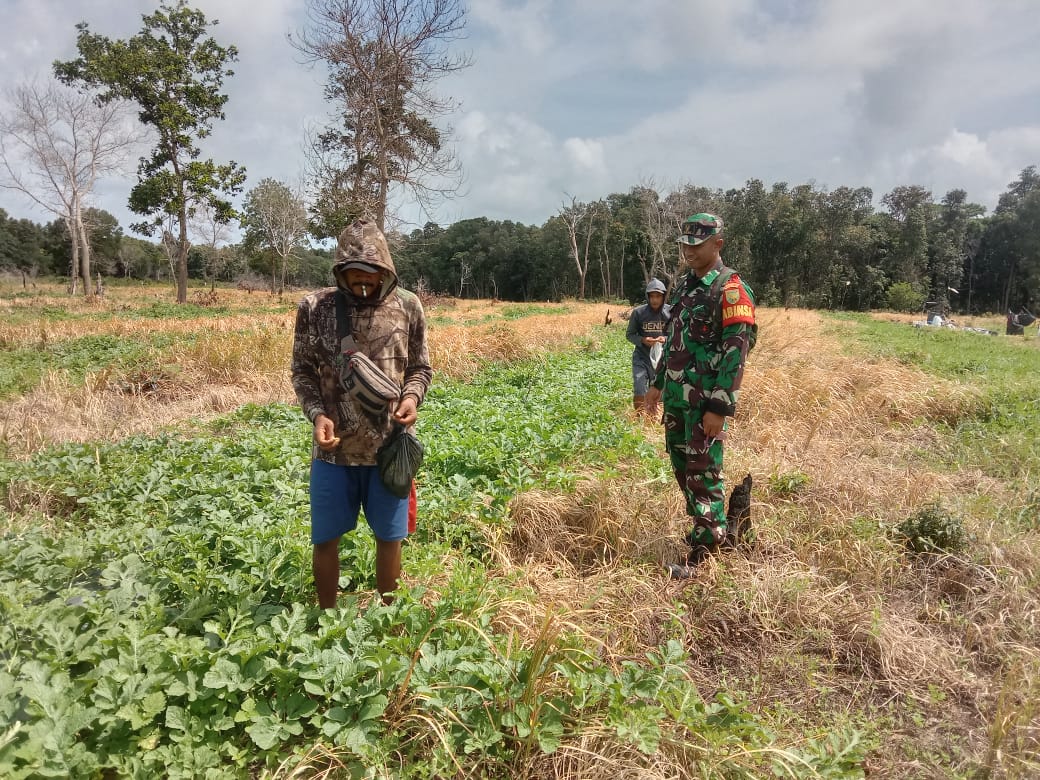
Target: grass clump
x=789, y=484
x=933, y=529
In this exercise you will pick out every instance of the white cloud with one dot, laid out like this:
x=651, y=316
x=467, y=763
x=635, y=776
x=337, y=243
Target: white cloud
x=527, y=27
x=982, y=165
x=966, y=150
x=510, y=163
x=505, y=138
x=586, y=154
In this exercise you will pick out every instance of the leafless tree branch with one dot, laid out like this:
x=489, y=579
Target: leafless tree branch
x=55, y=143
x=383, y=57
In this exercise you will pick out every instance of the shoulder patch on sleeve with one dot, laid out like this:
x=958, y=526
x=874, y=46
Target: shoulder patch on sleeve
x=736, y=304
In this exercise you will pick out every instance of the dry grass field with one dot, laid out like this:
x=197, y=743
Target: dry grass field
x=236, y=352
x=826, y=623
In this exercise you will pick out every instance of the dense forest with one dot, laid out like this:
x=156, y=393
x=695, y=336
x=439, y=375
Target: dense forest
x=798, y=246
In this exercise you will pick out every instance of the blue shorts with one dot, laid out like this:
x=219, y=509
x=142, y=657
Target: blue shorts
x=338, y=493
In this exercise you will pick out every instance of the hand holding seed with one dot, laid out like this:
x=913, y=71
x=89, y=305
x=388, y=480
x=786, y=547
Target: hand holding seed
x=325, y=433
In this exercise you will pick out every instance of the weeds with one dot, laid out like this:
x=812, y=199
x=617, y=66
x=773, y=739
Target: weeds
x=789, y=484
x=933, y=529
x=1014, y=732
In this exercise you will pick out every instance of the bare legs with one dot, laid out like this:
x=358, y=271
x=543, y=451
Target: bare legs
x=388, y=568
x=325, y=561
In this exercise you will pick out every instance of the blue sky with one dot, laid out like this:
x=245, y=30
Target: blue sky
x=588, y=97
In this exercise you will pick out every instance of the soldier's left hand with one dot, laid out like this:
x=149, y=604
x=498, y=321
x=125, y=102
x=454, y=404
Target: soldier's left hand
x=712, y=424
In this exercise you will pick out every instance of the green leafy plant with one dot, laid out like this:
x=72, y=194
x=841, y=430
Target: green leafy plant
x=165, y=625
x=932, y=529
x=790, y=483
x=903, y=297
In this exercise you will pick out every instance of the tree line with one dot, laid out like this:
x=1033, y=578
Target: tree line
x=797, y=246
x=43, y=250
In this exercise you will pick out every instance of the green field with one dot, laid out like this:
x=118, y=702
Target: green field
x=158, y=615
x=1002, y=434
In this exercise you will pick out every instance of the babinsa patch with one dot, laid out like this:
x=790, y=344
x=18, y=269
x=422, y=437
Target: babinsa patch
x=736, y=305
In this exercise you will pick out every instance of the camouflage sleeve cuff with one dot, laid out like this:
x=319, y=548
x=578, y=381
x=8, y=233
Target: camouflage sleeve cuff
x=312, y=413
x=720, y=407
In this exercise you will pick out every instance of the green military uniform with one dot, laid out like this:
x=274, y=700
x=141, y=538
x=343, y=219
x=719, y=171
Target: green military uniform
x=712, y=319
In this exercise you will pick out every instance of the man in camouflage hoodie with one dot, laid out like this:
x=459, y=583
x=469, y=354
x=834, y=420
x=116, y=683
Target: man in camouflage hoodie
x=368, y=313
x=698, y=381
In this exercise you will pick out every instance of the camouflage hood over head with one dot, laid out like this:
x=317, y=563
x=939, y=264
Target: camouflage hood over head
x=388, y=330
x=364, y=244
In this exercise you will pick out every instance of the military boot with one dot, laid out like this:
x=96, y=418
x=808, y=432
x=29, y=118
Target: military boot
x=687, y=567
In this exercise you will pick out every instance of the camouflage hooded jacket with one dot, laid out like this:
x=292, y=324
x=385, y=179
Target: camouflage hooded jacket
x=708, y=336
x=390, y=330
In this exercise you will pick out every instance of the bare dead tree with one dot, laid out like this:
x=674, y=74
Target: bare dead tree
x=579, y=219
x=658, y=223
x=55, y=143
x=337, y=187
x=604, y=259
x=611, y=229
x=383, y=58
x=662, y=221
x=465, y=276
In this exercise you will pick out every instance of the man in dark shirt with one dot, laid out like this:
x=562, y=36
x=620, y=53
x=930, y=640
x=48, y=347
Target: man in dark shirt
x=646, y=332
x=367, y=313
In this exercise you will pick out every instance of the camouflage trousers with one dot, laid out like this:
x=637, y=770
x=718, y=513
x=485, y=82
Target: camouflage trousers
x=697, y=465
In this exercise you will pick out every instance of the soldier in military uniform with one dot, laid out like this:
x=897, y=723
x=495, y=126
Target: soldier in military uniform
x=712, y=326
x=365, y=313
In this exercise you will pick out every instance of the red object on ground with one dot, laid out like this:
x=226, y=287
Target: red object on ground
x=413, y=509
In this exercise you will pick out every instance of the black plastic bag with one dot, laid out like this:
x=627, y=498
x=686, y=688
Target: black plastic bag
x=399, y=459
x=739, y=532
